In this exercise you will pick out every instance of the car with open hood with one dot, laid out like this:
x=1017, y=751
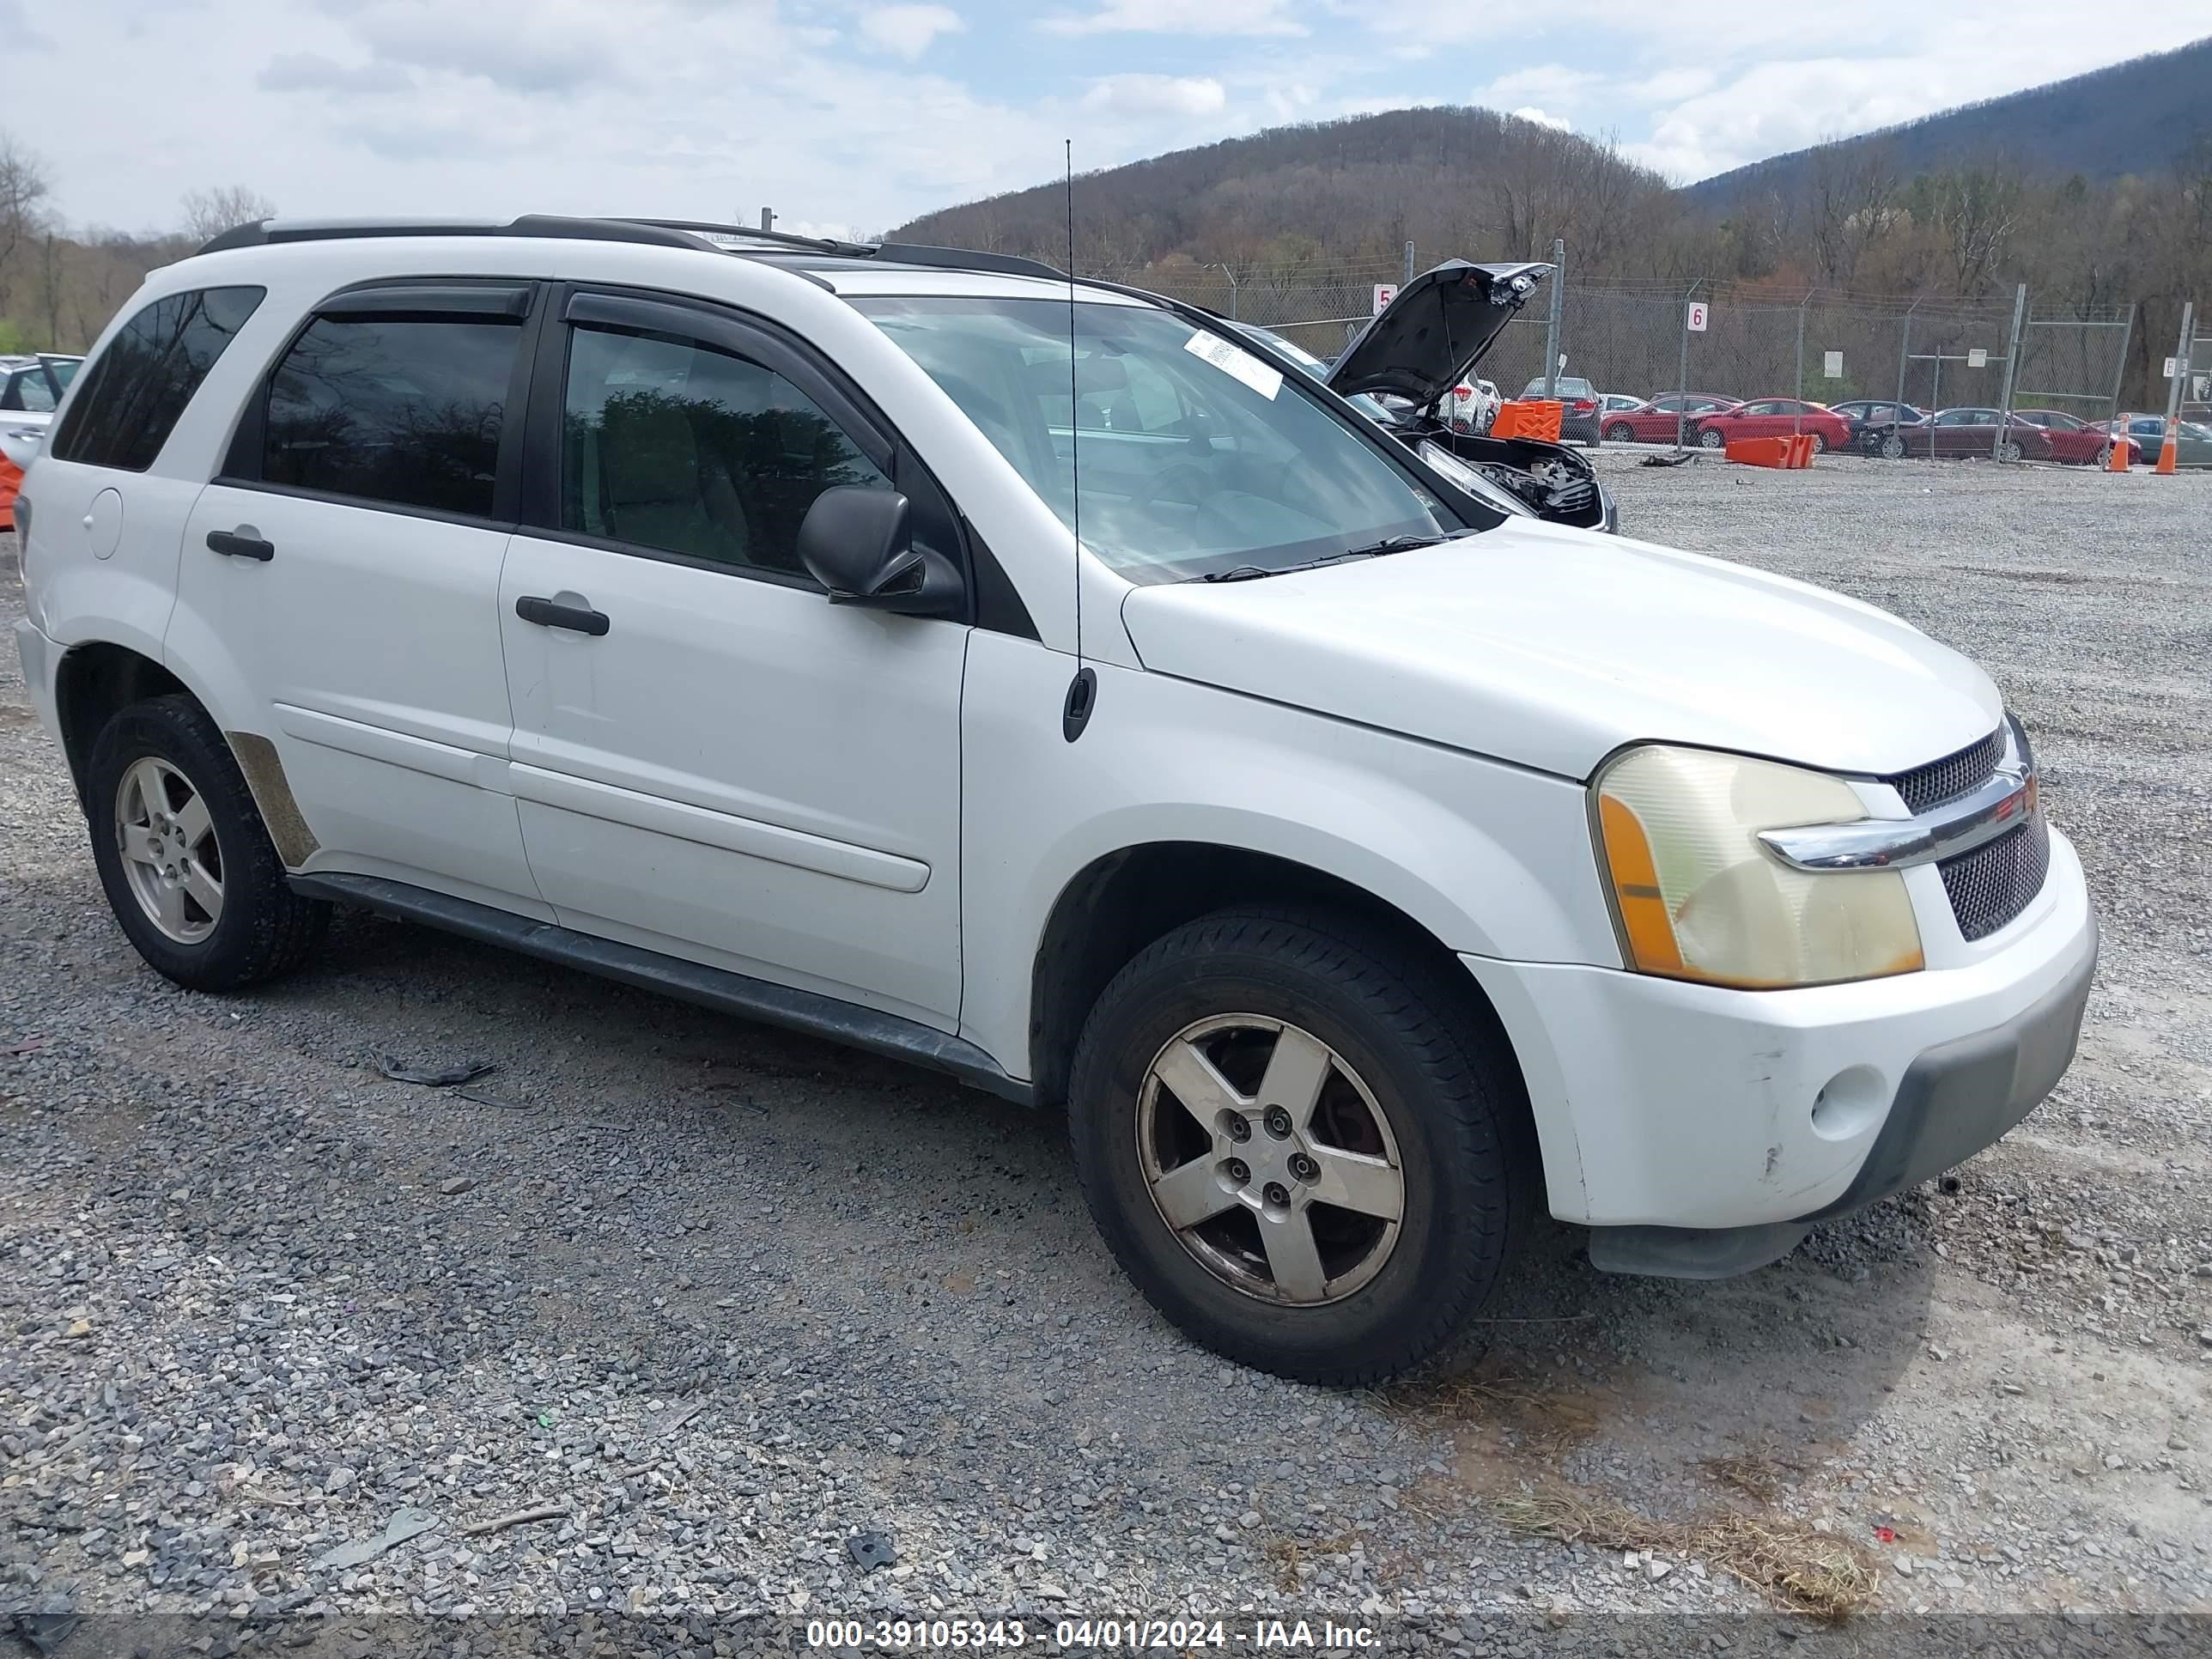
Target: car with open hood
x=1042, y=682
x=1426, y=343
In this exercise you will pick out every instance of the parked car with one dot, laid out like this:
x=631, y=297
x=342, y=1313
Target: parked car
x=1547, y=480
x=1962, y=434
x=1773, y=417
x=2192, y=439
x=1474, y=406
x=1658, y=420
x=1578, y=417
x=1616, y=403
x=1870, y=415
x=2073, y=439
x=31, y=389
x=1025, y=677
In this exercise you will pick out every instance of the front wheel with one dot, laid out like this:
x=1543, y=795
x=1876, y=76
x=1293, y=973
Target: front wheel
x=187, y=866
x=1300, y=1145
x=2010, y=450
x=1892, y=448
x=1710, y=438
x=1619, y=433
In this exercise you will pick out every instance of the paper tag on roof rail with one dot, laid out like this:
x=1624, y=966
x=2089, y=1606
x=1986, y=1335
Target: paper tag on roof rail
x=1232, y=361
x=729, y=239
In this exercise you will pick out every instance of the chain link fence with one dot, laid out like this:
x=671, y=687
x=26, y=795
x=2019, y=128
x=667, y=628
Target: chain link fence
x=1631, y=338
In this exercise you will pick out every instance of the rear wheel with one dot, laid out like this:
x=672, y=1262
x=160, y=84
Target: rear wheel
x=187, y=868
x=1300, y=1145
x=1820, y=444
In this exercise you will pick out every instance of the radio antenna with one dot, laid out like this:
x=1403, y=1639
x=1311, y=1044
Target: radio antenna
x=1082, y=691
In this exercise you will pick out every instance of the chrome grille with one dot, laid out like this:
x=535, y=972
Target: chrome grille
x=1994, y=883
x=1954, y=775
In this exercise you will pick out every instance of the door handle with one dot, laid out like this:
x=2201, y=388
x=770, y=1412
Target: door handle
x=239, y=544
x=551, y=613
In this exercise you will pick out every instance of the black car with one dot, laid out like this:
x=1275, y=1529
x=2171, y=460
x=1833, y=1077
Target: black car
x=1871, y=416
x=1427, y=341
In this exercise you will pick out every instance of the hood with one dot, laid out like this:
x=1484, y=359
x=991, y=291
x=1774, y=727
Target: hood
x=1437, y=328
x=1551, y=648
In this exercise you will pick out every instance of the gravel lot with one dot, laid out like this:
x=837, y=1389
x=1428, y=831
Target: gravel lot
x=728, y=1298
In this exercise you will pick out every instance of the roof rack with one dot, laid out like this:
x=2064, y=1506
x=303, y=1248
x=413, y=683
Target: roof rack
x=692, y=234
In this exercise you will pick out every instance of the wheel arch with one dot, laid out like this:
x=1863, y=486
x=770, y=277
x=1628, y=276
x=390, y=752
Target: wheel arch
x=95, y=682
x=1122, y=901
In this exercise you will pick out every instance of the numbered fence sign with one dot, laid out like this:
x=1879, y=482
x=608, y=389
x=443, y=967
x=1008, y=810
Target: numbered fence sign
x=1384, y=292
x=1695, y=322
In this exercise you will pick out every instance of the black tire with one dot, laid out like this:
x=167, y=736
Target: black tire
x=1456, y=1108
x=1711, y=437
x=265, y=928
x=1620, y=433
x=1820, y=444
x=1892, y=448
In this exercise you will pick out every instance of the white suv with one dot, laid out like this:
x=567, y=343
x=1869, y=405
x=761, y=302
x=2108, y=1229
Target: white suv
x=1038, y=682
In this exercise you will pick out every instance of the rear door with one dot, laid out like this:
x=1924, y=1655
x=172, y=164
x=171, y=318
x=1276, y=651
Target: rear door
x=348, y=556
x=711, y=759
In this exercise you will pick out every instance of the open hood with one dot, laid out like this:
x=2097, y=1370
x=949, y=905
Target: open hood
x=1429, y=337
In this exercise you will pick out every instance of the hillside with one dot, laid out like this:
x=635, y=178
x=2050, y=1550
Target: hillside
x=2139, y=117
x=1443, y=177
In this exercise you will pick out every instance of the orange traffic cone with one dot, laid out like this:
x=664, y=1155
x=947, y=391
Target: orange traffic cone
x=2168, y=454
x=2122, y=449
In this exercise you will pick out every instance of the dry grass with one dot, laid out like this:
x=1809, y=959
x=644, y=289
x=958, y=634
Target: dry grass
x=1758, y=1475
x=1287, y=1554
x=1542, y=1416
x=1803, y=1570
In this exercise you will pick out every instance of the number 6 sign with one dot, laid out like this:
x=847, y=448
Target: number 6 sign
x=1695, y=322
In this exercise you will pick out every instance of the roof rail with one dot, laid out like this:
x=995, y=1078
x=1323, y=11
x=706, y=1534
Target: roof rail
x=661, y=233
x=263, y=232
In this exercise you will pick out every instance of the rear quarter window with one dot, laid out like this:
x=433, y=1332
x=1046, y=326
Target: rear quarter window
x=136, y=389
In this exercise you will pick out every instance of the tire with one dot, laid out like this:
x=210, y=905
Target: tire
x=151, y=763
x=2010, y=450
x=1892, y=448
x=1620, y=433
x=1820, y=444
x=1711, y=438
x=1404, y=1044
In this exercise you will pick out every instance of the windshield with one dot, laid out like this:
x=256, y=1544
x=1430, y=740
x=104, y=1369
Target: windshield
x=1196, y=457
x=1316, y=370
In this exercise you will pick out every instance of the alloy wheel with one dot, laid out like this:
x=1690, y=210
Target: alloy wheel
x=170, y=855
x=1270, y=1159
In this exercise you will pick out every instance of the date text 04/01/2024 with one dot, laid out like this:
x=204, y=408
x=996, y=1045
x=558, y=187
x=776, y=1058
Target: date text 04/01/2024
x=1135, y=1635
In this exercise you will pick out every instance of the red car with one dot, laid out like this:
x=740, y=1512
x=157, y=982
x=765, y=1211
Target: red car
x=1654, y=422
x=2073, y=439
x=1774, y=418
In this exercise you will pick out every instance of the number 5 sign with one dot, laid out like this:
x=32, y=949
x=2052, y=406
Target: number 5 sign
x=1695, y=320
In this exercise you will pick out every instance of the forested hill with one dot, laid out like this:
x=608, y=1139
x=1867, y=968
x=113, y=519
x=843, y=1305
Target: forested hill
x=1442, y=177
x=2139, y=117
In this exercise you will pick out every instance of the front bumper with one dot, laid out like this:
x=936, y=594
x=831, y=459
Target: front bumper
x=1740, y=1117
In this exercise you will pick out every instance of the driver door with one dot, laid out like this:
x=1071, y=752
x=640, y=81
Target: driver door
x=710, y=759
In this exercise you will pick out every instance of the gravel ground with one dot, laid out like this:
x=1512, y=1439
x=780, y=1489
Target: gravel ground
x=726, y=1300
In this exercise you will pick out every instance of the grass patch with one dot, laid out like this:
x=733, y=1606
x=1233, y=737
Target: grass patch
x=1795, y=1567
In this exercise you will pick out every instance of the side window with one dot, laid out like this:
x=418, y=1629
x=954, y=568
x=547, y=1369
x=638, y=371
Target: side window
x=686, y=448
x=136, y=388
x=405, y=410
x=28, y=389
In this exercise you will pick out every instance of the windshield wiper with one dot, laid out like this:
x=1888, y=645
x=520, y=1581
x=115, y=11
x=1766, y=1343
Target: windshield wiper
x=1392, y=544
x=1252, y=573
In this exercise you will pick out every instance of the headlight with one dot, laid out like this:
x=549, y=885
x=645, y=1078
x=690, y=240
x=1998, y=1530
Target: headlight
x=1699, y=897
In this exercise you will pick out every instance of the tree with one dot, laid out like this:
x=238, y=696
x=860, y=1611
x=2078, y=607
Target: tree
x=22, y=193
x=208, y=213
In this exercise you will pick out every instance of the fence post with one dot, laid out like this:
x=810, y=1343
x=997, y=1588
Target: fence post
x=2120, y=374
x=1797, y=415
x=2012, y=368
x=1231, y=276
x=1552, y=323
x=1409, y=262
x=1682, y=370
x=2180, y=373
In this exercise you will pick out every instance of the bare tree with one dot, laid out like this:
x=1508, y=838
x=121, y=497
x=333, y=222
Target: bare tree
x=1850, y=204
x=23, y=189
x=208, y=213
x=1977, y=209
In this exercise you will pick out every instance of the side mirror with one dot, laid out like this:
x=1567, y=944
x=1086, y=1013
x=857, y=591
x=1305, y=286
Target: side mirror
x=858, y=543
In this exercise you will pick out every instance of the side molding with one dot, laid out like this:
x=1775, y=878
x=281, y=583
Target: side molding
x=690, y=982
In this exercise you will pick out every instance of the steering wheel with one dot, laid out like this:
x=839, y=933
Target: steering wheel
x=1151, y=493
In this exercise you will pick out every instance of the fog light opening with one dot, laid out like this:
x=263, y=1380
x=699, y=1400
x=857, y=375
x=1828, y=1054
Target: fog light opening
x=1850, y=1103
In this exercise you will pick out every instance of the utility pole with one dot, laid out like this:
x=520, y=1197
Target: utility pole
x=1551, y=327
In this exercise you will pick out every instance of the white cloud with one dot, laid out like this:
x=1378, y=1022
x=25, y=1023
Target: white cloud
x=1157, y=94
x=1543, y=119
x=310, y=71
x=908, y=31
x=1239, y=17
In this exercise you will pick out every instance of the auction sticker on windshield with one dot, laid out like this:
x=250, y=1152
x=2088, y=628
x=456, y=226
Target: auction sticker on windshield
x=1230, y=360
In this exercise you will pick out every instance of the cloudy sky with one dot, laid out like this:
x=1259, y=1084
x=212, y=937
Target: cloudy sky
x=848, y=115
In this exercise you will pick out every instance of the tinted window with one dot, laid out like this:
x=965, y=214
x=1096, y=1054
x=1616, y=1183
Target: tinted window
x=64, y=370
x=406, y=410
x=684, y=449
x=137, y=387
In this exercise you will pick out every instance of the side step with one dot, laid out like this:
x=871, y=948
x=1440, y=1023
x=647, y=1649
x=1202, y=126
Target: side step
x=710, y=988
